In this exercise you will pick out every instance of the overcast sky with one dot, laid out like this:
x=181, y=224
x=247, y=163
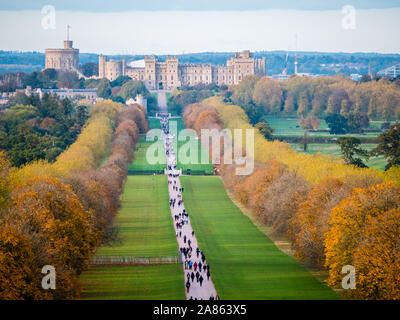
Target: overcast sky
x=176, y=26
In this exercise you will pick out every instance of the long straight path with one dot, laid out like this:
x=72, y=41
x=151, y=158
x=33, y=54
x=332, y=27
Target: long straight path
x=203, y=289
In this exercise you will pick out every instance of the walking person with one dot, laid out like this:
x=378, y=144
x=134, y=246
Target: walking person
x=187, y=286
x=208, y=275
x=201, y=279
x=192, y=276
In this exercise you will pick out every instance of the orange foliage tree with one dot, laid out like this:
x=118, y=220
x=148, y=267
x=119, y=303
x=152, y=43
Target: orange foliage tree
x=350, y=225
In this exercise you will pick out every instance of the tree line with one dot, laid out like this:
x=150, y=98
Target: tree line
x=302, y=96
x=35, y=128
x=58, y=213
x=333, y=214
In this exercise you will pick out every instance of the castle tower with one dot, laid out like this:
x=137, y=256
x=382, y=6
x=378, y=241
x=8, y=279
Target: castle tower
x=66, y=59
x=102, y=66
x=123, y=61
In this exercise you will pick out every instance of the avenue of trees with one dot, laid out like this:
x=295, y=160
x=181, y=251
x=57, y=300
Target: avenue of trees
x=301, y=96
x=334, y=214
x=58, y=213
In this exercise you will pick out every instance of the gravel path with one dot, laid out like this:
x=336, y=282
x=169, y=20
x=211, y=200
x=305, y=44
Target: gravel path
x=185, y=232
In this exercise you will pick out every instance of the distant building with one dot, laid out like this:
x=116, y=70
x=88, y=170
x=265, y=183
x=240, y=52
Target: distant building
x=111, y=69
x=168, y=75
x=392, y=71
x=280, y=77
x=139, y=99
x=86, y=94
x=66, y=59
x=4, y=102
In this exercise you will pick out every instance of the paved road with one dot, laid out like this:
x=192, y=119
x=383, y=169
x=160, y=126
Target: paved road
x=162, y=101
x=207, y=289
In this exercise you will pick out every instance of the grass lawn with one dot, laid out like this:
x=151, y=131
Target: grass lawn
x=191, y=140
x=146, y=230
x=140, y=162
x=145, y=222
x=290, y=127
x=245, y=263
x=153, y=282
x=333, y=149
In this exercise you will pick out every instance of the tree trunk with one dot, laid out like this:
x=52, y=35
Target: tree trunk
x=305, y=140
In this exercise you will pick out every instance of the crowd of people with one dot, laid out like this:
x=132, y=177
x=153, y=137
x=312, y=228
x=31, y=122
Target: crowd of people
x=198, y=281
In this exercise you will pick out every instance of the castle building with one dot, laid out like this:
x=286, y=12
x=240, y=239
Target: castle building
x=66, y=59
x=169, y=74
x=111, y=69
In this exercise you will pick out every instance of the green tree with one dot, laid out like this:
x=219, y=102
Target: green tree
x=90, y=69
x=351, y=148
x=337, y=123
x=243, y=92
x=389, y=146
x=253, y=112
x=131, y=88
x=266, y=130
x=120, y=81
x=104, y=89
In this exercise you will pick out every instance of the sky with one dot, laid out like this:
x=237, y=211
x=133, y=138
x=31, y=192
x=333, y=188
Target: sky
x=177, y=26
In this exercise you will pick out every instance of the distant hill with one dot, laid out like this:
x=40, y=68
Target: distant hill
x=311, y=62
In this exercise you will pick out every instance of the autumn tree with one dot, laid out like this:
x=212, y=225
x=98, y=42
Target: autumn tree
x=377, y=258
x=311, y=122
x=311, y=222
x=268, y=95
x=243, y=92
x=350, y=226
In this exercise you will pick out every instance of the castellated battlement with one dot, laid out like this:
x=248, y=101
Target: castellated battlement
x=170, y=74
x=66, y=59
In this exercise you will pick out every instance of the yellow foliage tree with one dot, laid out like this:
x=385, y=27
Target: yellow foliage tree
x=349, y=225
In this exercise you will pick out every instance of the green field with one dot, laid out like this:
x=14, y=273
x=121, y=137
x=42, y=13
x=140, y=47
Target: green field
x=197, y=166
x=245, y=263
x=144, y=220
x=146, y=230
x=290, y=127
x=140, y=164
x=333, y=149
x=153, y=282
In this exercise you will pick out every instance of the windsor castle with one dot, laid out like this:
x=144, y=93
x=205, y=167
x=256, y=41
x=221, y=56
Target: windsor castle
x=163, y=75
